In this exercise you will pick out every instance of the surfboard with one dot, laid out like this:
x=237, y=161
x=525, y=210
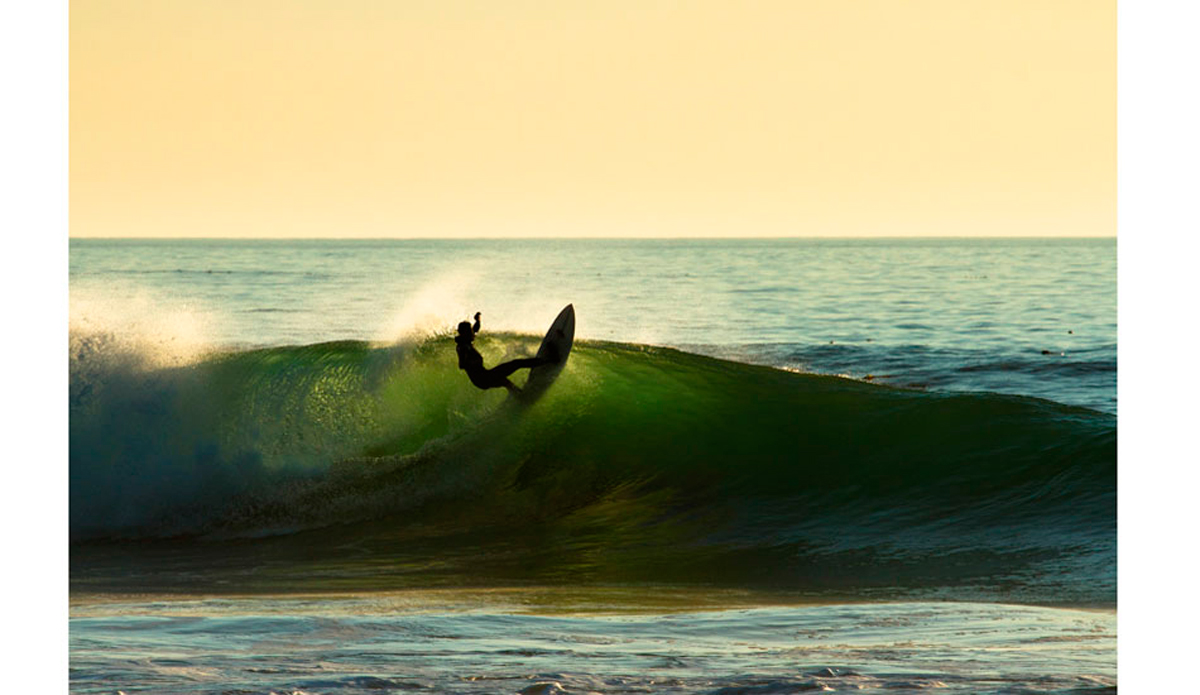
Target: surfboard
x=556, y=346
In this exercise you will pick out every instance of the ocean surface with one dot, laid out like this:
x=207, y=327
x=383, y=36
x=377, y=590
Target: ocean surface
x=769, y=466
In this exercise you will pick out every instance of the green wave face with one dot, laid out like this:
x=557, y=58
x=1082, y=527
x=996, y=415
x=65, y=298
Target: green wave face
x=638, y=464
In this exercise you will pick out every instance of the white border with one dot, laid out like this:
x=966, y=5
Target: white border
x=33, y=143
x=1158, y=190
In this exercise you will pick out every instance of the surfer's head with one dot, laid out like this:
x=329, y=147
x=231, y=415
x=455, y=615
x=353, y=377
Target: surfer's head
x=464, y=330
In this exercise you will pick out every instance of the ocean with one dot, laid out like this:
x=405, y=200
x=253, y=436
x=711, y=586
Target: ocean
x=769, y=466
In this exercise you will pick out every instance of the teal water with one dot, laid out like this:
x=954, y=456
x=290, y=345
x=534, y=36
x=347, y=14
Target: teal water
x=929, y=313
x=796, y=465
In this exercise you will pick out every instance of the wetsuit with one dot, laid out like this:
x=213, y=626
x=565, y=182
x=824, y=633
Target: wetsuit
x=470, y=361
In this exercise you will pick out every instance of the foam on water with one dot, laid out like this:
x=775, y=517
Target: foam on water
x=353, y=645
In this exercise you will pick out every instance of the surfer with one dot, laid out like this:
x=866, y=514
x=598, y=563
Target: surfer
x=470, y=361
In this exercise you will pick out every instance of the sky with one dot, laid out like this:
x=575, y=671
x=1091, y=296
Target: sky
x=647, y=118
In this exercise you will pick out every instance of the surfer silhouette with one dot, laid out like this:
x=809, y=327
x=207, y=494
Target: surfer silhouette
x=470, y=361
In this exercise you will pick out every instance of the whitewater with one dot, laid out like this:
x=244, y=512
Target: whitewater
x=769, y=466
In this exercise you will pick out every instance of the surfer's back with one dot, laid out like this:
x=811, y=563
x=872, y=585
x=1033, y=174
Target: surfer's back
x=469, y=358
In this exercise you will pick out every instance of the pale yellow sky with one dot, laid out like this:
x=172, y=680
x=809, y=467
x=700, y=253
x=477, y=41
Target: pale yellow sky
x=447, y=118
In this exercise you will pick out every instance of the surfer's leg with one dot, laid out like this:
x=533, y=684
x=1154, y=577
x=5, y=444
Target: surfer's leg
x=505, y=370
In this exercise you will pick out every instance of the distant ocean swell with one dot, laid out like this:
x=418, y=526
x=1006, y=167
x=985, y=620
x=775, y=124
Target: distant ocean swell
x=1080, y=376
x=640, y=464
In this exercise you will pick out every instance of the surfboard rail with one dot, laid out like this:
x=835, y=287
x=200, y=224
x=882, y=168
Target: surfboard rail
x=556, y=345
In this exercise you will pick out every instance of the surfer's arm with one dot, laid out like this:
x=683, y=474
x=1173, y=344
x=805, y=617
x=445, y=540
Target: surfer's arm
x=475, y=328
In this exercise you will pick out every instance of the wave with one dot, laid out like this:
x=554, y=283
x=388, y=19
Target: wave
x=640, y=464
x=1082, y=376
